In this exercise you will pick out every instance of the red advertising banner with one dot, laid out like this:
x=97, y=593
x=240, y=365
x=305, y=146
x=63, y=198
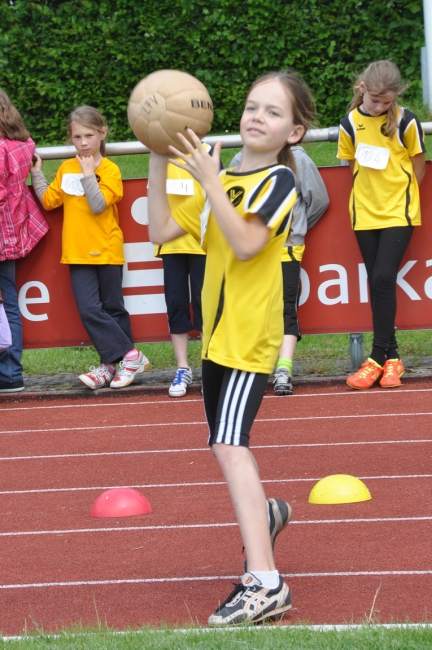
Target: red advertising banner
x=334, y=293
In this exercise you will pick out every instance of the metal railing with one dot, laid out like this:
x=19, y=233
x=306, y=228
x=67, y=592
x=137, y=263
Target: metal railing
x=228, y=141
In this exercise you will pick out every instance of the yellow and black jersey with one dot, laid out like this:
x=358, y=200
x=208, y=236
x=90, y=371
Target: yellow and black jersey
x=180, y=187
x=292, y=253
x=386, y=197
x=242, y=301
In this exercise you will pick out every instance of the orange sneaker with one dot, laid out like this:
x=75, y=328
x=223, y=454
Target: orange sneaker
x=393, y=371
x=365, y=377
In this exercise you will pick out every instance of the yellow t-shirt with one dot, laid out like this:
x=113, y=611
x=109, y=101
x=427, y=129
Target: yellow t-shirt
x=242, y=301
x=383, y=198
x=179, y=181
x=88, y=238
x=289, y=252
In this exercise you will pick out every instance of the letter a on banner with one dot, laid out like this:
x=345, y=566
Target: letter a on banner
x=341, y=281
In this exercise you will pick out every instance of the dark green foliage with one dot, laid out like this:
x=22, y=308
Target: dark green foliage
x=56, y=54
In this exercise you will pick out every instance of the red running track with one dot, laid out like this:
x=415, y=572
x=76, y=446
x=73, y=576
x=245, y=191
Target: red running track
x=60, y=566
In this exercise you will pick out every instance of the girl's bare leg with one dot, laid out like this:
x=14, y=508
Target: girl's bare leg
x=180, y=345
x=248, y=498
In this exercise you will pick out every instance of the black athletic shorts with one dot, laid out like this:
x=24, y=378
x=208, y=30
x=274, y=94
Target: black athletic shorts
x=231, y=401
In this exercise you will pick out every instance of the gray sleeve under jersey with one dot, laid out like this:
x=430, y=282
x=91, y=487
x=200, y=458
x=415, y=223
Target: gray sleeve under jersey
x=312, y=197
x=90, y=185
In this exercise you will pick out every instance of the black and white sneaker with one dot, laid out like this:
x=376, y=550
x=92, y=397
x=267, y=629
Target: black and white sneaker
x=282, y=382
x=11, y=386
x=280, y=514
x=250, y=602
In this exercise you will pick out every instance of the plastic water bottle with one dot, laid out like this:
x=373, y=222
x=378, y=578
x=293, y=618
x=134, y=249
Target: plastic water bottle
x=357, y=350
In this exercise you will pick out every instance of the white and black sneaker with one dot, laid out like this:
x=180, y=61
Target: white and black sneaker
x=280, y=513
x=282, y=382
x=250, y=602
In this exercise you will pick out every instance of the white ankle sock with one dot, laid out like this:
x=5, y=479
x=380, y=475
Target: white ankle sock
x=268, y=579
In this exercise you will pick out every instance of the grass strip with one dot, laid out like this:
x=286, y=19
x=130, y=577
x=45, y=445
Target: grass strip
x=276, y=637
x=322, y=354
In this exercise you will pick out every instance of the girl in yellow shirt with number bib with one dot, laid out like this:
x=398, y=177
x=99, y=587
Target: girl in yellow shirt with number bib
x=384, y=146
x=89, y=187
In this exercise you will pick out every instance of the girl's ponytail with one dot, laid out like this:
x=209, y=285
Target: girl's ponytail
x=286, y=157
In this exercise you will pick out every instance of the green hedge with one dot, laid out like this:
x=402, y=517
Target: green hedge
x=57, y=54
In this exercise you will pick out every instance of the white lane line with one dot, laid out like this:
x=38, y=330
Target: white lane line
x=112, y=453
x=202, y=422
x=274, y=629
x=105, y=427
x=138, y=581
x=304, y=522
x=347, y=393
x=114, y=403
x=148, y=486
x=194, y=449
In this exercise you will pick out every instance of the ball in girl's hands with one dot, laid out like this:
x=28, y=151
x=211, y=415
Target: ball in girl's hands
x=167, y=102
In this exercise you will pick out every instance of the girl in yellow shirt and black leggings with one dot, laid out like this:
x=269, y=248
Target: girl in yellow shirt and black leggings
x=384, y=146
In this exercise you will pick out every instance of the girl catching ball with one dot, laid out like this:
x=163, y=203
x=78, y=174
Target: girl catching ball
x=89, y=187
x=243, y=224
x=384, y=146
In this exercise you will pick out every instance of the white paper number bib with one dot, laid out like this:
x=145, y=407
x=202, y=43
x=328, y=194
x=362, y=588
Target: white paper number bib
x=71, y=184
x=369, y=156
x=180, y=186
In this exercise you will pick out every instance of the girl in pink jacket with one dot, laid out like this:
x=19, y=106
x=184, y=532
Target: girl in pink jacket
x=22, y=225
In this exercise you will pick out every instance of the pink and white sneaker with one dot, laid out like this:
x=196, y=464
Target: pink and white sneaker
x=128, y=370
x=97, y=377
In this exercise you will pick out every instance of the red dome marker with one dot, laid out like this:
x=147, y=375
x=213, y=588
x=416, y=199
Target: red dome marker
x=120, y=502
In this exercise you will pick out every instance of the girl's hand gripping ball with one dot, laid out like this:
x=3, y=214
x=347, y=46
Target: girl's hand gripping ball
x=168, y=102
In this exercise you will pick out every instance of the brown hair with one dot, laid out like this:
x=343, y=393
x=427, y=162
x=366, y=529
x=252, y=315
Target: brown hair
x=380, y=78
x=92, y=119
x=303, y=107
x=11, y=124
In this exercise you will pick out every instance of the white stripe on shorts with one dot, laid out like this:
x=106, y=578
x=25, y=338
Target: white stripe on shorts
x=230, y=425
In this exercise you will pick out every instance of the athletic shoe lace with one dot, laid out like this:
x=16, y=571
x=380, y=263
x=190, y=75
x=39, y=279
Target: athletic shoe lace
x=281, y=376
x=368, y=369
x=238, y=588
x=123, y=369
x=180, y=377
x=391, y=368
x=100, y=371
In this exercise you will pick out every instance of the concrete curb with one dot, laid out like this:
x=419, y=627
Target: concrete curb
x=156, y=382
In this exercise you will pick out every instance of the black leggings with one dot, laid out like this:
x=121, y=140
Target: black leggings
x=182, y=270
x=291, y=295
x=382, y=251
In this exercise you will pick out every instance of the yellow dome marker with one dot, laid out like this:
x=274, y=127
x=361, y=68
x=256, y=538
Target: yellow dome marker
x=339, y=488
